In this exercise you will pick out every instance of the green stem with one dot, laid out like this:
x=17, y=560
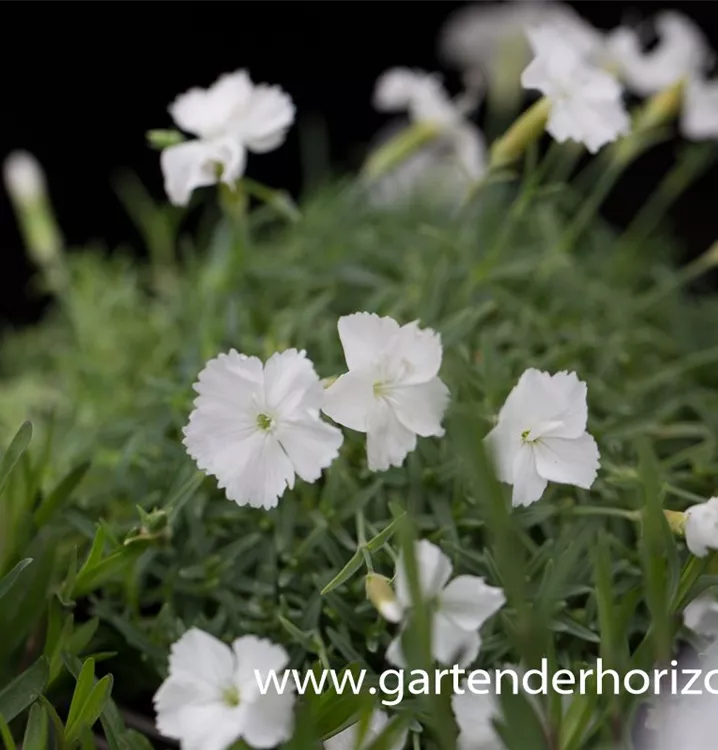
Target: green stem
x=590, y=207
x=684, y=494
x=597, y=510
x=693, y=162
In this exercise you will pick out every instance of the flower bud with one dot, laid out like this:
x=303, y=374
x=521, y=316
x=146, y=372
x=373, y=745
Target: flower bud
x=160, y=139
x=381, y=595
x=27, y=188
x=676, y=521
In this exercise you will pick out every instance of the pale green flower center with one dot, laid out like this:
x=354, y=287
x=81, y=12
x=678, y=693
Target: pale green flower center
x=264, y=421
x=525, y=437
x=380, y=389
x=231, y=696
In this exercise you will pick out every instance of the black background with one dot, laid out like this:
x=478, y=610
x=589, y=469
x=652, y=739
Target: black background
x=83, y=82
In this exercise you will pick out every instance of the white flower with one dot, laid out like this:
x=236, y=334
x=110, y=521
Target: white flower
x=348, y=738
x=702, y=527
x=586, y=103
x=419, y=93
x=458, y=608
x=685, y=721
x=474, y=715
x=459, y=150
x=255, y=426
x=541, y=436
x=682, y=52
x=699, y=120
x=488, y=36
x=229, y=118
x=392, y=390
x=211, y=697
x=701, y=616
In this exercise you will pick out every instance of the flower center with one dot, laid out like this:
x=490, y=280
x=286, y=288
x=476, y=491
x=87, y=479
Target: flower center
x=380, y=388
x=525, y=437
x=231, y=696
x=264, y=422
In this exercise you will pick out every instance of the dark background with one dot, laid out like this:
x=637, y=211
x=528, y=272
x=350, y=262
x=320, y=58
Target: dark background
x=83, y=82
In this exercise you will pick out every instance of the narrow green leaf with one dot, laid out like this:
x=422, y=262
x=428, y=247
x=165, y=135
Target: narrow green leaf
x=377, y=542
x=7, y=581
x=91, y=709
x=36, y=731
x=24, y=689
x=355, y=563
x=83, y=688
x=12, y=455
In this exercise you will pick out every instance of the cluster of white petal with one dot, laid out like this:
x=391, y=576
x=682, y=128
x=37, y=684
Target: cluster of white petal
x=541, y=436
x=569, y=54
x=211, y=697
x=231, y=117
x=258, y=426
x=586, y=104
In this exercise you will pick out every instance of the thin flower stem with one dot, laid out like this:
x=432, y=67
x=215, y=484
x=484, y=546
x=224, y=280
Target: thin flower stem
x=361, y=538
x=597, y=510
x=693, y=163
x=685, y=494
x=590, y=207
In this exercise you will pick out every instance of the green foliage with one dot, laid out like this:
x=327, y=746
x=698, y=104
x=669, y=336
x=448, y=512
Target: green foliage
x=112, y=544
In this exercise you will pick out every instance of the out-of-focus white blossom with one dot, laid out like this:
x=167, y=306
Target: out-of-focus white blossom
x=586, y=102
x=702, y=527
x=451, y=160
x=458, y=608
x=487, y=35
x=699, y=118
x=685, y=722
x=701, y=616
x=231, y=117
x=474, y=716
x=682, y=52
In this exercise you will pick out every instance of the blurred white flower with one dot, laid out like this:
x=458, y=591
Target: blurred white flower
x=211, y=697
x=458, y=609
x=229, y=118
x=701, y=616
x=348, y=738
x=586, y=102
x=450, y=162
x=682, y=52
x=485, y=36
x=474, y=716
x=420, y=94
x=702, y=527
x=392, y=390
x=685, y=721
x=699, y=120
x=255, y=426
x=541, y=436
